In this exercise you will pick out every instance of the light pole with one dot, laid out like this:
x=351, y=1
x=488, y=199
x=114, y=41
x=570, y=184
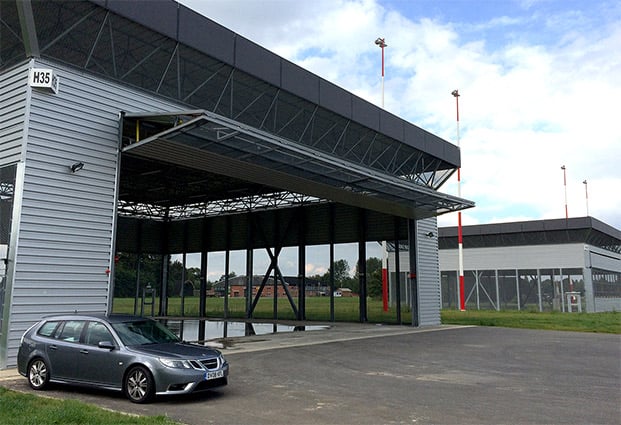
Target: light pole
x=586, y=194
x=381, y=43
x=460, y=244
x=565, y=186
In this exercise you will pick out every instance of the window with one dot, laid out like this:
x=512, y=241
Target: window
x=72, y=330
x=96, y=333
x=48, y=329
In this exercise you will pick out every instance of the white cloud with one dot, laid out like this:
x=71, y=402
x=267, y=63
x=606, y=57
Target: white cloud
x=538, y=90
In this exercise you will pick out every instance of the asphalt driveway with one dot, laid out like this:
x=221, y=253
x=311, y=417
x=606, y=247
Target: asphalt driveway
x=365, y=374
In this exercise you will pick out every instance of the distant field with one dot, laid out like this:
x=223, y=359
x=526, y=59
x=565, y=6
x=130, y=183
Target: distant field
x=581, y=322
x=346, y=309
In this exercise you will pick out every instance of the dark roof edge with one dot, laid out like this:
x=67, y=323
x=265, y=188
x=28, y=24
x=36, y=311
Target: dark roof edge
x=188, y=27
x=533, y=226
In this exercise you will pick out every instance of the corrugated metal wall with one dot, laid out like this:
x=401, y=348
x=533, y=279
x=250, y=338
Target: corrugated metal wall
x=516, y=257
x=13, y=101
x=67, y=219
x=428, y=272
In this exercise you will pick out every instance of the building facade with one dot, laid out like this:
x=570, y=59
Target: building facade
x=542, y=265
x=153, y=130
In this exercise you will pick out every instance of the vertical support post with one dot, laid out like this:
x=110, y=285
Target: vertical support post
x=362, y=265
x=497, y=291
x=562, y=291
x=587, y=273
x=183, y=270
x=517, y=289
x=413, y=281
x=332, y=238
x=183, y=276
x=540, y=295
x=301, y=264
x=227, y=266
x=202, y=302
x=138, y=263
x=249, y=267
x=277, y=249
x=163, y=308
x=476, y=283
x=397, y=270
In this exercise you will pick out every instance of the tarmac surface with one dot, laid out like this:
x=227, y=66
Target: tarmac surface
x=373, y=374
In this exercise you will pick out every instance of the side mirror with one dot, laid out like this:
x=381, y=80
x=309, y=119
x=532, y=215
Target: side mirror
x=107, y=345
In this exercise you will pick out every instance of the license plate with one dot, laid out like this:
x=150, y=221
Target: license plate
x=214, y=375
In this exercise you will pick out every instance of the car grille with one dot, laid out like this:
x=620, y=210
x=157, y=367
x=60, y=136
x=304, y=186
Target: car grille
x=210, y=363
x=206, y=363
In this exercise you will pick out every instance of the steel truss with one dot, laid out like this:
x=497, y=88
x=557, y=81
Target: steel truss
x=96, y=40
x=267, y=201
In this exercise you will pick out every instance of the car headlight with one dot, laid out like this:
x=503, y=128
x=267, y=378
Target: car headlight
x=176, y=364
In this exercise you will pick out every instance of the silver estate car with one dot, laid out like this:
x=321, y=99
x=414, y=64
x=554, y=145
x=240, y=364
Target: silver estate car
x=136, y=355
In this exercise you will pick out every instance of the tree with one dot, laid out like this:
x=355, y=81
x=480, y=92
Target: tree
x=374, y=277
x=125, y=273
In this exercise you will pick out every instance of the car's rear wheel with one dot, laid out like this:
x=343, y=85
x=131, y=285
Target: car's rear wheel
x=38, y=374
x=139, y=386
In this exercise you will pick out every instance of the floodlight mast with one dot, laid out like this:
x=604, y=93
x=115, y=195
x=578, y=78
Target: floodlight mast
x=565, y=186
x=460, y=244
x=382, y=43
x=586, y=194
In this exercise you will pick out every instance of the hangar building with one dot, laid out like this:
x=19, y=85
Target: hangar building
x=540, y=265
x=145, y=127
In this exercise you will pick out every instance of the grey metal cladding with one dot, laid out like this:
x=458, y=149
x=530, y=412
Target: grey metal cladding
x=365, y=112
x=160, y=16
x=300, y=82
x=414, y=136
x=257, y=61
x=334, y=98
x=434, y=144
x=428, y=272
x=13, y=95
x=452, y=153
x=391, y=125
x=67, y=219
x=206, y=36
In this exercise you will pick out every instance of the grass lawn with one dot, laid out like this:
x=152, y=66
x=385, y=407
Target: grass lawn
x=346, y=309
x=609, y=322
x=26, y=409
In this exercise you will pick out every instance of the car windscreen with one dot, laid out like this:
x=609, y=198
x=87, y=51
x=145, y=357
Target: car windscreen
x=144, y=332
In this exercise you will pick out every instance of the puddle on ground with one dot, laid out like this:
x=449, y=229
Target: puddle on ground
x=209, y=332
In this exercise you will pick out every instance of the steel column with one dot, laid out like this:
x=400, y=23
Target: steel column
x=413, y=281
x=249, y=267
x=301, y=264
x=362, y=265
x=332, y=225
x=227, y=266
x=397, y=270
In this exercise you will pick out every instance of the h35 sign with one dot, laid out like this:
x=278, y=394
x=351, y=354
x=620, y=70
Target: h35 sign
x=43, y=78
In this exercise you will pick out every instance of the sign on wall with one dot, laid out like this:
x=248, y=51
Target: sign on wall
x=43, y=78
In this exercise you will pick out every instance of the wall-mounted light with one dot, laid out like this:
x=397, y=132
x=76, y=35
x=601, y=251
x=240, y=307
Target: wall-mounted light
x=77, y=166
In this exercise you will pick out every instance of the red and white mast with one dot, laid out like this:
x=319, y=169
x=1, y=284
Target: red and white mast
x=460, y=244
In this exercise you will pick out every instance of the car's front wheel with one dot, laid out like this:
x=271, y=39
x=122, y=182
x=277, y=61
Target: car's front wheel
x=139, y=386
x=38, y=374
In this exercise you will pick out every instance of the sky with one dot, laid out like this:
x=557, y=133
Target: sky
x=539, y=84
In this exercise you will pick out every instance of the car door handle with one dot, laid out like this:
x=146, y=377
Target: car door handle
x=83, y=351
x=53, y=347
